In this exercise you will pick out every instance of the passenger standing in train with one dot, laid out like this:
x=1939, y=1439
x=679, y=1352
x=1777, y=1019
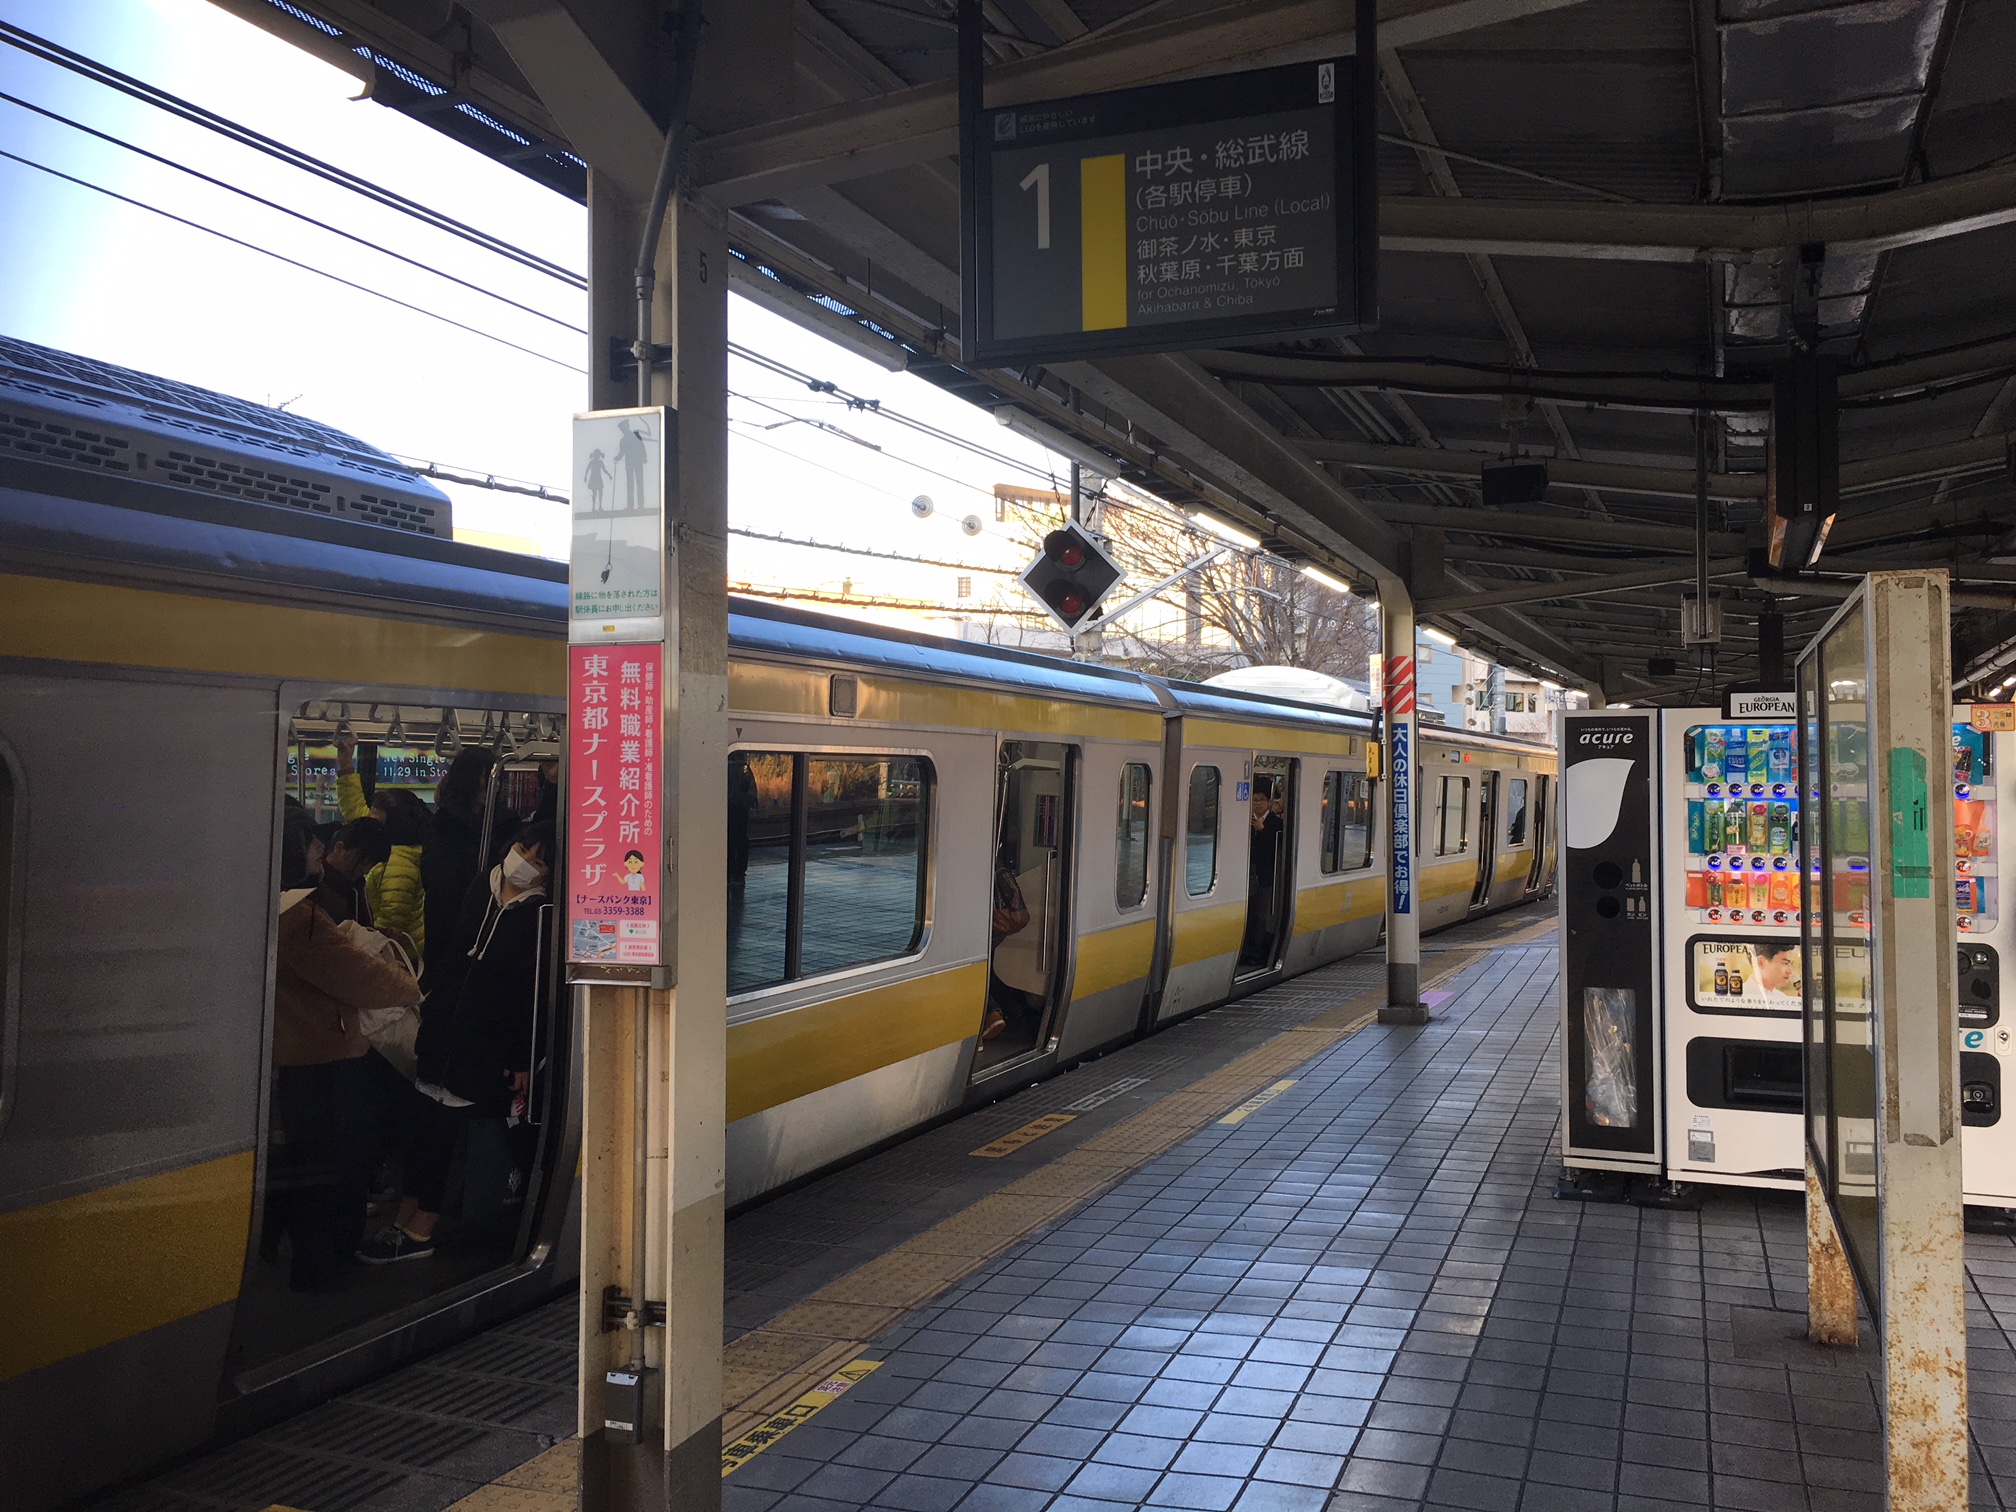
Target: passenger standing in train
x=325, y=1090
x=353, y=850
x=449, y=864
x=394, y=888
x=1262, y=878
x=475, y=1042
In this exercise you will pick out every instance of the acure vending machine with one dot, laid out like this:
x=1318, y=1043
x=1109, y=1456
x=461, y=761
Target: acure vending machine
x=1984, y=772
x=1682, y=1014
x=1729, y=826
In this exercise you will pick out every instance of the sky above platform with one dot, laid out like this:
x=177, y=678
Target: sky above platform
x=89, y=274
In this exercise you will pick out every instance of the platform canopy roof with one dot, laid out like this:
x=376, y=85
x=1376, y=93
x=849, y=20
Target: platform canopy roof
x=1600, y=219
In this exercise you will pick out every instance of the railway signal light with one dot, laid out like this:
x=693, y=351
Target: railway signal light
x=1071, y=576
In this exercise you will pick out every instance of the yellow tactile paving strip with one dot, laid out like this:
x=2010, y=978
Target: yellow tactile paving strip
x=771, y=1367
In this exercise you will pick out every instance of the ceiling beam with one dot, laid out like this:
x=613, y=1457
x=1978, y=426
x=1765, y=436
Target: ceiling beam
x=1579, y=588
x=1536, y=527
x=917, y=124
x=1979, y=454
x=1676, y=392
x=1931, y=211
x=1434, y=462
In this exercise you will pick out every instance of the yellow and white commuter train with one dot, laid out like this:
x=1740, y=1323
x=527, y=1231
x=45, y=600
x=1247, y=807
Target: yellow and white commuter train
x=953, y=869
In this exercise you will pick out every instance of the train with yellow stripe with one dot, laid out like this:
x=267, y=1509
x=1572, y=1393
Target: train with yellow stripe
x=953, y=869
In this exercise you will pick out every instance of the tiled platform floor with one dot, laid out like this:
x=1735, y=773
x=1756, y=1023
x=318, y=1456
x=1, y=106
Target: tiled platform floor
x=1364, y=1297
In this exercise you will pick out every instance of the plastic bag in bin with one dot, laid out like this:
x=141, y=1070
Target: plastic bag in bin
x=1610, y=1055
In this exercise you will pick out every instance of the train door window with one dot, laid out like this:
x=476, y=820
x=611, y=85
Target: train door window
x=1346, y=824
x=1329, y=823
x=1200, y=835
x=827, y=863
x=1131, y=879
x=1452, y=817
x=1030, y=919
x=1515, y=811
x=762, y=798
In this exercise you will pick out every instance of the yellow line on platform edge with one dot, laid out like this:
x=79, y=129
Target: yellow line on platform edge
x=1256, y=1102
x=1014, y=1139
x=753, y=1442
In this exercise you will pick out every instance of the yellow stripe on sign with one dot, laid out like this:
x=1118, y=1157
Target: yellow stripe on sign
x=1009, y=1143
x=774, y=1427
x=90, y=1270
x=1102, y=201
x=1256, y=1102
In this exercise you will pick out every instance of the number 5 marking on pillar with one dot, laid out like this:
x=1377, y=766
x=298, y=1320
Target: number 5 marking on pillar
x=1039, y=177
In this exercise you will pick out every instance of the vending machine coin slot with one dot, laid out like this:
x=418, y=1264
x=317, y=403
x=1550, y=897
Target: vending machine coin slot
x=1979, y=985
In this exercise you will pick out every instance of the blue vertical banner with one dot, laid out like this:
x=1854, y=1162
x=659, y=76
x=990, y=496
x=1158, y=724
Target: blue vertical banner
x=1402, y=777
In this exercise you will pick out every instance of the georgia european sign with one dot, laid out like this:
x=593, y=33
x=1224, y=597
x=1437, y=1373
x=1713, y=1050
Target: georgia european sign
x=1169, y=217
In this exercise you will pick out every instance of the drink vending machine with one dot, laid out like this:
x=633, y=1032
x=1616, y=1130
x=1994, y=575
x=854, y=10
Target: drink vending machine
x=1682, y=1041
x=1729, y=827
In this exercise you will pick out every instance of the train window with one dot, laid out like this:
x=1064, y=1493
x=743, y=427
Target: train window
x=1515, y=812
x=10, y=906
x=1131, y=881
x=760, y=803
x=1452, y=817
x=1200, y=841
x=826, y=863
x=1346, y=821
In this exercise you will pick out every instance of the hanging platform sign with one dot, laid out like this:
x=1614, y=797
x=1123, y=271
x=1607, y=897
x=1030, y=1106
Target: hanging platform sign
x=1169, y=217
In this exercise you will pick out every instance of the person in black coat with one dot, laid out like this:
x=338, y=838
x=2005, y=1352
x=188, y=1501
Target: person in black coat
x=475, y=1040
x=449, y=864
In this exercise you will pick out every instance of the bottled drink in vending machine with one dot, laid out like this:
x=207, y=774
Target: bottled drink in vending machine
x=1697, y=827
x=1716, y=829
x=1697, y=889
x=1715, y=755
x=1735, y=758
x=1760, y=828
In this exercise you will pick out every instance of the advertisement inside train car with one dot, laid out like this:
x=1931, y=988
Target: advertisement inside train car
x=311, y=771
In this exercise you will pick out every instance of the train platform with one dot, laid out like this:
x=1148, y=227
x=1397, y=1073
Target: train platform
x=1280, y=1258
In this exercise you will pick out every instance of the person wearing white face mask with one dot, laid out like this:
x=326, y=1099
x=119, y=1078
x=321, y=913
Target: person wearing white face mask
x=474, y=1045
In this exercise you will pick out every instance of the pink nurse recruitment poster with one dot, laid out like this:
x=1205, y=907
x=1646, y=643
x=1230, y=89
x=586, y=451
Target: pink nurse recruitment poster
x=613, y=840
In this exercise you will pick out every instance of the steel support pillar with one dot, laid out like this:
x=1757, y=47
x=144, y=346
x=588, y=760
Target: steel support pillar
x=1403, y=918
x=684, y=1018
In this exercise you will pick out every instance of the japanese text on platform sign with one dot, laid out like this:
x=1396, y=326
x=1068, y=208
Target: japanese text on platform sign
x=614, y=844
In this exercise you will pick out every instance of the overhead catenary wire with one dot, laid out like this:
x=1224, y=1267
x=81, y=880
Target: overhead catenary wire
x=282, y=257
x=260, y=199
x=161, y=99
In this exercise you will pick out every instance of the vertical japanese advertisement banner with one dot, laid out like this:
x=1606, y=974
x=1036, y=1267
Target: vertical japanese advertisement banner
x=1400, y=773
x=615, y=687
x=614, y=856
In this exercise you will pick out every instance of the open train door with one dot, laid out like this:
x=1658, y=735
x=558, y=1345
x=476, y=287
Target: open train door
x=1540, y=814
x=1029, y=961
x=1487, y=837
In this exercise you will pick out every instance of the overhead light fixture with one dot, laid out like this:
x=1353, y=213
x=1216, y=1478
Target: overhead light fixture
x=1439, y=637
x=1224, y=530
x=1052, y=439
x=1318, y=575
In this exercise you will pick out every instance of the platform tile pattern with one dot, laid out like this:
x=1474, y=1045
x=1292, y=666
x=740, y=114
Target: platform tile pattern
x=1363, y=1298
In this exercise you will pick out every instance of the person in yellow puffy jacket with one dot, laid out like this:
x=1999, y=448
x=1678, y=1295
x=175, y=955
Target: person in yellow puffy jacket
x=393, y=888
